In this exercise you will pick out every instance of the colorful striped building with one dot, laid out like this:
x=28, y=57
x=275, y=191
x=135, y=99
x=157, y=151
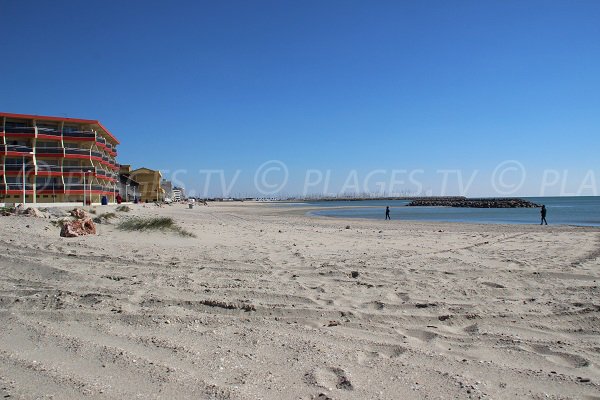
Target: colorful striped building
x=56, y=160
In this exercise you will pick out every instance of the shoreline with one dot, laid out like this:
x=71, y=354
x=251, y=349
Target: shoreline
x=309, y=212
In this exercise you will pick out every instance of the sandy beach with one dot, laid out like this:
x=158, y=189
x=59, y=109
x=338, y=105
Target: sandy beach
x=268, y=303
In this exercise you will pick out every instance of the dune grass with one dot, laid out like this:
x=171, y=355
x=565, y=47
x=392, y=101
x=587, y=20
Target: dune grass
x=105, y=217
x=153, y=224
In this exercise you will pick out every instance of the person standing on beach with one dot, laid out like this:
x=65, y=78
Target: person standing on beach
x=543, y=212
x=387, y=213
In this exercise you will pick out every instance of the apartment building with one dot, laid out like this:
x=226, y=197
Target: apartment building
x=178, y=194
x=149, y=184
x=54, y=160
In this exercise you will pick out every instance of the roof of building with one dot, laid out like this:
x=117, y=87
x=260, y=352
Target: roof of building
x=63, y=119
x=144, y=169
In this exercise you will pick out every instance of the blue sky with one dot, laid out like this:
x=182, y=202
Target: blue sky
x=322, y=85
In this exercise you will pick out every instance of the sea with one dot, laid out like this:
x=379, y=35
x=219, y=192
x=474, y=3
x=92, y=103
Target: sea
x=579, y=211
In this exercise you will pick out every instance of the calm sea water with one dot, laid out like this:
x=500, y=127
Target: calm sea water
x=584, y=211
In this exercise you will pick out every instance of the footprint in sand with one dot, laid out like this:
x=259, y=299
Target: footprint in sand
x=421, y=334
x=560, y=358
x=380, y=351
x=373, y=305
x=329, y=378
x=472, y=329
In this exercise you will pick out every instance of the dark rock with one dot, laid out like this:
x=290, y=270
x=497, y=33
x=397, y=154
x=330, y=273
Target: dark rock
x=473, y=203
x=344, y=383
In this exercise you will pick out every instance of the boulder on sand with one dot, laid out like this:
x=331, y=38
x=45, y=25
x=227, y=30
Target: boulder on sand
x=78, y=213
x=78, y=227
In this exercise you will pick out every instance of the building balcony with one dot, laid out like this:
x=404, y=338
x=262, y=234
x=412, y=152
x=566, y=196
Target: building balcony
x=19, y=168
x=15, y=186
x=45, y=169
x=55, y=134
x=31, y=131
x=15, y=148
x=19, y=130
x=55, y=188
x=77, y=151
x=81, y=187
x=77, y=169
x=71, y=151
x=49, y=132
x=79, y=134
x=51, y=151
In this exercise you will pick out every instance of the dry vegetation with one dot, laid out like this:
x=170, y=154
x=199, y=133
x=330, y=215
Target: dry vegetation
x=153, y=224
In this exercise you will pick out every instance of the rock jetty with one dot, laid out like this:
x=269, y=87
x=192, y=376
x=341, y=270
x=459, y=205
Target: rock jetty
x=474, y=203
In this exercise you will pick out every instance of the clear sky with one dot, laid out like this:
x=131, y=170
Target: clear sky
x=347, y=86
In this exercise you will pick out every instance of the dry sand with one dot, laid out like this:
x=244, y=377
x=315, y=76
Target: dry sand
x=262, y=304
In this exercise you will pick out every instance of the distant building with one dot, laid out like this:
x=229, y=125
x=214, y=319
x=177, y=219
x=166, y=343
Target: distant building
x=128, y=188
x=178, y=194
x=56, y=159
x=149, y=184
x=167, y=186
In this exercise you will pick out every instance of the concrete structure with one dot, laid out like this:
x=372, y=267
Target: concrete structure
x=56, y=160
x=149, y=183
